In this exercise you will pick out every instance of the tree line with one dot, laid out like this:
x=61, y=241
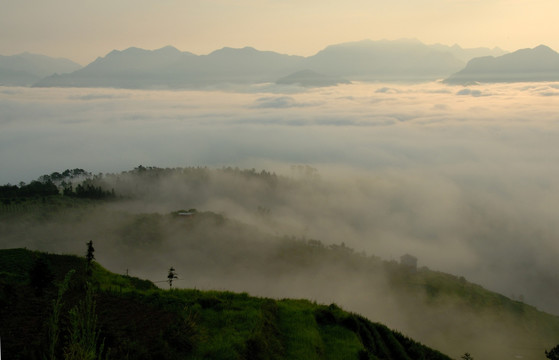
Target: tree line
x=76, y=183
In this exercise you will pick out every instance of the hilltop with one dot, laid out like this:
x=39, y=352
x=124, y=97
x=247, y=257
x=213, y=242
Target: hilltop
x=136, y=320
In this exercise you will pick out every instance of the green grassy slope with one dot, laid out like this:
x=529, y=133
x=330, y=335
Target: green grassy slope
x=139, y=321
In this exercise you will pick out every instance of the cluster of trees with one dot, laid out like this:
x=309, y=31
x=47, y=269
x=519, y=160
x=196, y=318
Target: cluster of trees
x=80, y=183
x=270, y=177
x=88, y=190
x=67, y=176
x=56, y=184
x=199, y=172
x=34, y=189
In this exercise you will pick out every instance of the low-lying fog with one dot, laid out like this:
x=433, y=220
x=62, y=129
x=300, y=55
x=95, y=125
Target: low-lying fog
x=464, y=178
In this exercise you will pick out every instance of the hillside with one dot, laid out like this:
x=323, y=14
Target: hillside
x=135, y=320
x=128, y=213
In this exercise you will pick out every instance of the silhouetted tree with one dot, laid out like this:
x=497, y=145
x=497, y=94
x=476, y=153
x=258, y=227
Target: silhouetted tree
x=553, y=354
x=171, y=276
x=467, y=356
x=89, y=256
x=90, y=250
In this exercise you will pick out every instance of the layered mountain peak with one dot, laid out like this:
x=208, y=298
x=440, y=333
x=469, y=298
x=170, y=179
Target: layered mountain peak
x=538, y=64
x=26, y=68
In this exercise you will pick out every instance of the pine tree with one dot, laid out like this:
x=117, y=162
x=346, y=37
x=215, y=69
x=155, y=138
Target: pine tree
x=90, y=250
x=89, y=257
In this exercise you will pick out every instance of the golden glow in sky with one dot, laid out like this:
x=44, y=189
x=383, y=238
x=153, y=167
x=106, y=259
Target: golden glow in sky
x=83, y=30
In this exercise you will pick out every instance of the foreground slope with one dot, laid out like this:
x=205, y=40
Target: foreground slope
x=138, y=321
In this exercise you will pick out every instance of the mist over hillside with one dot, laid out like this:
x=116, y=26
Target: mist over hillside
x=463, y=182
x=277, y=236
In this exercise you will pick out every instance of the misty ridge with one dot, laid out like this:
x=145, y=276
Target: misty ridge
x=299, y=235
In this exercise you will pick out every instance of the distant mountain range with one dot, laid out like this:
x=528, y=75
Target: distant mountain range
x=405, y=60
x=26, y=69
x=538, y=64
x=367, y=60
x=169, y=67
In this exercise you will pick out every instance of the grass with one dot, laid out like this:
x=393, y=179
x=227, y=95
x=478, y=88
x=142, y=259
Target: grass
x=297, y=324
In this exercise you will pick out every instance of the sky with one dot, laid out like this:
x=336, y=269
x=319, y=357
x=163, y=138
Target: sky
x=85, y=30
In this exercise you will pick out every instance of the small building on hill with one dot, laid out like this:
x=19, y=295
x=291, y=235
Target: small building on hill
x=409, y=261
x=185, y=213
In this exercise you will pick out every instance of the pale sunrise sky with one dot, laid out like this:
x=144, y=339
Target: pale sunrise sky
x=83, y=30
